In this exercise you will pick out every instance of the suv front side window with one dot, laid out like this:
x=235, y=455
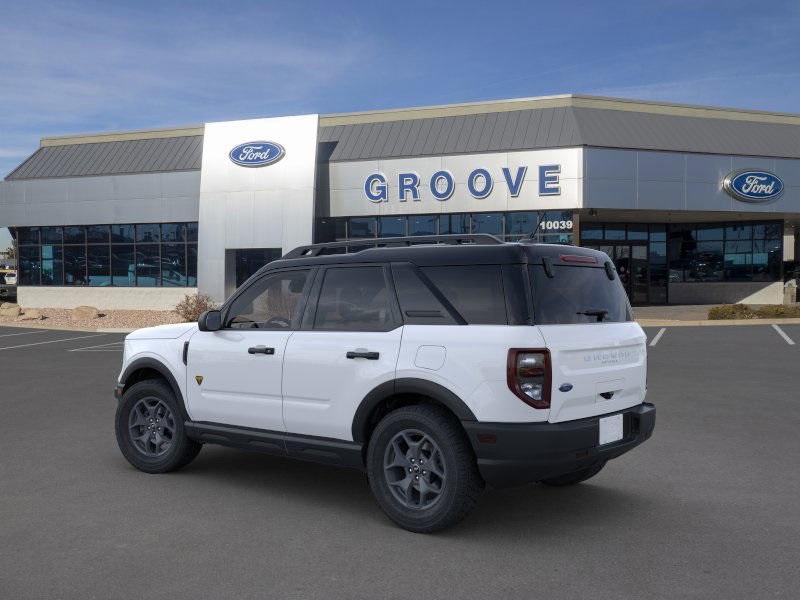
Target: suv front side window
x=272, y=302
x=354, y=299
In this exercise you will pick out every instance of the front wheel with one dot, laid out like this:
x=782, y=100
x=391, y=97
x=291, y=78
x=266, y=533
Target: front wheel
x=575, y=477
x=150, y=431
x=422, y=470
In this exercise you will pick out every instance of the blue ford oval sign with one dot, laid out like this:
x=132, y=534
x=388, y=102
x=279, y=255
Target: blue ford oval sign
x=257, y=154
x=753, y=186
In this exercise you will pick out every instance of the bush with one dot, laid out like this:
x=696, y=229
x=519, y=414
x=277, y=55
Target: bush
x=194, y=305
x=747, y=311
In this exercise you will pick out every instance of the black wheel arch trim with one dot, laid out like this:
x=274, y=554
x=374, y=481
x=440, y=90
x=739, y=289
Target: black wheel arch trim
x=155, y=365
x=407, y=385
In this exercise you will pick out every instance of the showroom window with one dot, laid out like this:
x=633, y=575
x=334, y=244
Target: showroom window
x=132, y=255
x=556, y=226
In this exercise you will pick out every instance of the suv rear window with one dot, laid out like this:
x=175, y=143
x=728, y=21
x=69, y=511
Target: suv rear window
x=577, y=295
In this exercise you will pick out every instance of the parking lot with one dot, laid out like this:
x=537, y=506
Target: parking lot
x=707, y=508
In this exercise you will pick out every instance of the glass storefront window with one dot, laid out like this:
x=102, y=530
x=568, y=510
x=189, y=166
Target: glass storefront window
x=738, y=231
x=491, y=223
x=74, y=235
x=422, y=225
x=173, y=265
x=392, y=226
x=27, y=235
x=106, y=255
x=708, y=232
x=98, y=259
x=521, y=223
x=363, y=227
x=191, y=266
x=592, y=231
x=123, y=265
x=454, y=224
x=29, y=264
x=148, y=233
x=172, y=232
x=615, y=231
x=637, y=232
x=122, y=234
x=658, y=233
x=75, y=265
x=97, y=234
x=51, y=235
x=148, y=265
x=52, y=265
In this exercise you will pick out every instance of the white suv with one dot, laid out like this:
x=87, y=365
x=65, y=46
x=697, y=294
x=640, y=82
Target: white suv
x=436, y=365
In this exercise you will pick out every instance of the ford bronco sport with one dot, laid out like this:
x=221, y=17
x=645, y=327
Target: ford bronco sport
x=437, y=365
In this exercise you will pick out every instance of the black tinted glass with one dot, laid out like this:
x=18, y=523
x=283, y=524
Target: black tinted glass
x=122, y=234
x=475, y=291
x=271, y=302
x=417, y=303
x=577, y=295
x=354, y=299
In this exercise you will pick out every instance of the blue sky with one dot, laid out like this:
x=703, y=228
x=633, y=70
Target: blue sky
x=75, y=67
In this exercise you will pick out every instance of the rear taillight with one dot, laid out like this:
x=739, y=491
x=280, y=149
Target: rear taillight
x=528, y=374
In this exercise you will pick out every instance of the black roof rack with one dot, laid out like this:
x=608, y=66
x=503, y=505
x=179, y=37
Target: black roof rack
x=368, y=243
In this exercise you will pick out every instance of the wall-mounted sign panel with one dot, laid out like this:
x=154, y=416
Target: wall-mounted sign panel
x=503, y=181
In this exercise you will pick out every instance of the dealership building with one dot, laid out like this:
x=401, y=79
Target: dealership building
x=695, y=204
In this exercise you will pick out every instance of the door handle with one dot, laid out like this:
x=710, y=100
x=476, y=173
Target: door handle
x=260, y=350
x=363, y=354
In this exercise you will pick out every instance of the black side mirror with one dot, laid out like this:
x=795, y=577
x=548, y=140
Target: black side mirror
x=211, y=320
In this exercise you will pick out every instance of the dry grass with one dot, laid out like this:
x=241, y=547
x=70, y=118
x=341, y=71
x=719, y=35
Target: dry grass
x=754, y=311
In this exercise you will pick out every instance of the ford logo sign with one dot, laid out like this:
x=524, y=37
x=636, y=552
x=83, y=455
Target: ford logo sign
x=753, y=186
x=257, y=154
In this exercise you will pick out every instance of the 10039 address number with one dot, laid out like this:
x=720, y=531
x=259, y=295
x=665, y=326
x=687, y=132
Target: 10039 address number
x=556, y=225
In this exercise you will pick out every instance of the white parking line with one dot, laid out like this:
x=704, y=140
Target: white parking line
x=658, y=336
x=98, y=348
x=23, y=333
x=83, y=337
x=782, y=333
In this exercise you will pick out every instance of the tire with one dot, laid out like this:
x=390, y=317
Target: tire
x=574, y=477
x=443, y=493
x=164, y=446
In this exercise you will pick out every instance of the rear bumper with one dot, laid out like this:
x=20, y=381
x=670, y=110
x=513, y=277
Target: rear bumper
x=517, y=453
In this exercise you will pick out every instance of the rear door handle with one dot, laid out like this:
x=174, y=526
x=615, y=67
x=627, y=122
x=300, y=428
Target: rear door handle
x=363, y=354
x=260, y=350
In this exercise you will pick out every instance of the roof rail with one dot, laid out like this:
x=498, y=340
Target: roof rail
x=455, y=239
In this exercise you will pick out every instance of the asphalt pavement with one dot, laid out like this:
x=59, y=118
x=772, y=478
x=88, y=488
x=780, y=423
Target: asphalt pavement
x=708, y=508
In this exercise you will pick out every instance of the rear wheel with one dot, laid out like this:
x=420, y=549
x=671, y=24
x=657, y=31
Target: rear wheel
x=422, y=470
x=575, y=477
x=150, y=431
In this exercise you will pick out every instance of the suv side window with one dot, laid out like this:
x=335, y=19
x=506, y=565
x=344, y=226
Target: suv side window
x=272, y=302
x=417, y=302
x=475, y=291
x=354, y=299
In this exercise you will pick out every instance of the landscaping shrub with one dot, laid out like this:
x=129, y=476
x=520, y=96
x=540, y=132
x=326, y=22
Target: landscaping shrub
x=194, y=305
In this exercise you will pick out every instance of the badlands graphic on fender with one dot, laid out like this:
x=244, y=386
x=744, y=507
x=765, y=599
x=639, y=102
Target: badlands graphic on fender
x=753, y=186
x=257, y=154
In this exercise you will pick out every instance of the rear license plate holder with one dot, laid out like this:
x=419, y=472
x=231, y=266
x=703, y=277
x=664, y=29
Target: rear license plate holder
x=610, y=429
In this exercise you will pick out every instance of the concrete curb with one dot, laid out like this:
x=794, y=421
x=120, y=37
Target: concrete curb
x=721, y=323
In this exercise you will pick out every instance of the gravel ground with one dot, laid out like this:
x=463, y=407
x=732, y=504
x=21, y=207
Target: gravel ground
x=109, y=319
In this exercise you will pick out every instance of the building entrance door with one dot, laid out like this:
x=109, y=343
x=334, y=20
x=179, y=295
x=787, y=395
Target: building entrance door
x=631, y=261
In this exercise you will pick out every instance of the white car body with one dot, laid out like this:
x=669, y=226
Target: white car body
x=312, y=355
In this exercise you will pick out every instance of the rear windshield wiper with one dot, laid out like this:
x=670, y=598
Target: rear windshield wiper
x=600, y=313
